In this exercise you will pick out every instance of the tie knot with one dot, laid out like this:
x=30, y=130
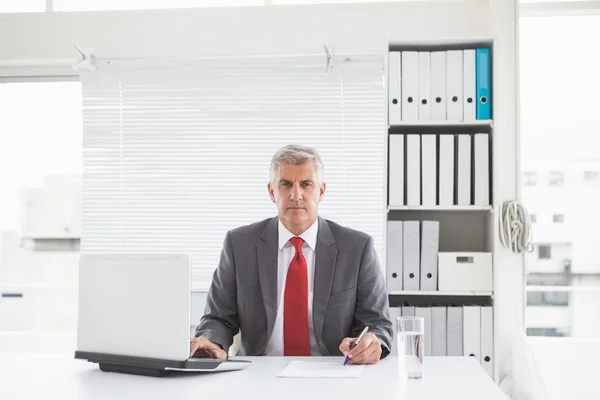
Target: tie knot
x=297, y=243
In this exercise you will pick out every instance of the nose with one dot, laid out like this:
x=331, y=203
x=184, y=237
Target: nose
x=296, y=193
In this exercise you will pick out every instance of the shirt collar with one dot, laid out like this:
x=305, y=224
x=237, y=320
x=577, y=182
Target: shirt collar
x=309, y=236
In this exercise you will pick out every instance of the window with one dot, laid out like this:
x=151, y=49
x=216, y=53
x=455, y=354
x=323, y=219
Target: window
x=530, y=179
x=300, y=2
x=561, y=305
x=556, y=179
x=40, y=147
x=40, y=135
x=533, y=218
x=104, y=5
x=544, y=252
x=22, y=6
x=548, y=299
x=551, y=332
x=590, y=176
x=227, y=117
x=549, y=279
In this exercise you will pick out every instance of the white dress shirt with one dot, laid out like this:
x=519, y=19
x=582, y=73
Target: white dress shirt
x=284, y=256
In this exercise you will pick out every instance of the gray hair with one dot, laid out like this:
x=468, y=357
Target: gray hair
x=296, y=155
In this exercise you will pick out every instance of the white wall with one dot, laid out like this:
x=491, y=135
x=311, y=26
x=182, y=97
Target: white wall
x=348, y=28
x=508, y=267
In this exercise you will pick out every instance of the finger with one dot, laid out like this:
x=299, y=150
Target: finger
x=200, y=346
x=214, y=351
x=370, y=355
x=364, y=343
x=369, y=342
x=194, y=346
x=203, y=346
x=220, y=354
x=200, y=352
x=345, y=345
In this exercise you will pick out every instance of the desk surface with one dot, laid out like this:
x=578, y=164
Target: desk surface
x=62, y=377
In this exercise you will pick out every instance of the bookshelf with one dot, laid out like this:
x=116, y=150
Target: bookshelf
x=465, y=227
x=451, y=124
x=440, y=208
x=440, y=293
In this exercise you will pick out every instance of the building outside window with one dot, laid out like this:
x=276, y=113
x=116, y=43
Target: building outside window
x=556, y=178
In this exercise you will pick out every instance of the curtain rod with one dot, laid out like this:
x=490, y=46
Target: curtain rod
x=64, y=62
x=89, y=58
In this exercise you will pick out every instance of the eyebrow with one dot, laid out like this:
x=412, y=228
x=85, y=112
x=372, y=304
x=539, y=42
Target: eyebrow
x=302, y=181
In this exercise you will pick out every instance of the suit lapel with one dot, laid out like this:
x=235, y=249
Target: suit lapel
x=325, y=257
x=267, y=270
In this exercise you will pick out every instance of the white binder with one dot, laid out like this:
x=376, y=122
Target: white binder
x=446, y=170
x=424, y=86
x=482, y=169
x=454, y=85
x=396, y=174
x=413, y=170
x=410, y=86
x=454, y=332
x=438, y=85
x=395, y=312
x=394, y=255
x=463, y=176
x=425, y=313
x=411, y=255
x=472, y=331
x=438, y=331
x=469, y=92
x=429, y=170
x=487, y=339
x=430, y=233
x=394, y=89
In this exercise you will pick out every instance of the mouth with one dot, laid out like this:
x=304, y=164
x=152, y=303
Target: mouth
x=295, y=208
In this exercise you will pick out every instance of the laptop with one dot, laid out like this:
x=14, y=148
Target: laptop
x=134, y=315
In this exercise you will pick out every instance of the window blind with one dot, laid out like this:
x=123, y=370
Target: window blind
x=176, y=153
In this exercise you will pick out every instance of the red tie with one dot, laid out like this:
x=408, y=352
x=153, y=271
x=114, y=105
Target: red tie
x=296, y=339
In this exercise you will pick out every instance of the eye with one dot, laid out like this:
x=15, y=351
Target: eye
x=306, y=184
x=285, y=184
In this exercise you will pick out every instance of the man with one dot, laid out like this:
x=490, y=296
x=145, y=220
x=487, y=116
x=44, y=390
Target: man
x=296, y=284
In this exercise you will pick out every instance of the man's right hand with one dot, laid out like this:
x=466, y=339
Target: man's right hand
x=202, y=347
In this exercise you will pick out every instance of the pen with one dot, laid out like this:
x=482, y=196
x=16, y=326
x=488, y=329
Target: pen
x=356, y=343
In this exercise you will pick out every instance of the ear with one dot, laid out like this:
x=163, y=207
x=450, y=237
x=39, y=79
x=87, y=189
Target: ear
x=322, y=188
x=271, y=192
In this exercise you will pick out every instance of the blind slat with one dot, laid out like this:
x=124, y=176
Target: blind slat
x=176, y=155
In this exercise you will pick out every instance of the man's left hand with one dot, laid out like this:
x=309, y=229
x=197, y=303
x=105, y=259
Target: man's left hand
x=368, y=351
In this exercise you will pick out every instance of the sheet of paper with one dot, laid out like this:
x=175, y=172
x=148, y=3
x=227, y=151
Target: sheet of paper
x=320, y=369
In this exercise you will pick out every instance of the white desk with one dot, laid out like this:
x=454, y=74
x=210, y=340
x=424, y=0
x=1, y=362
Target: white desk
x=59, y=377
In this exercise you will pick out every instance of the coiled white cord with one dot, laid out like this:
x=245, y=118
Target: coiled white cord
x=515, y=228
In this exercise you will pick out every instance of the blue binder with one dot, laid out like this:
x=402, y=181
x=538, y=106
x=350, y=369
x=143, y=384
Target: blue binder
x=482, y=87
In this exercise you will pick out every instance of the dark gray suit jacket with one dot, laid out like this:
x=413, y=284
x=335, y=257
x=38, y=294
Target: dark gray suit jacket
x=349, y=289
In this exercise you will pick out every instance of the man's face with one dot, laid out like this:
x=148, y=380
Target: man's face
x=297, y=193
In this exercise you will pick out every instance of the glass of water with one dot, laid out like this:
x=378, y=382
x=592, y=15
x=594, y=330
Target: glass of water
x=411, y=346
